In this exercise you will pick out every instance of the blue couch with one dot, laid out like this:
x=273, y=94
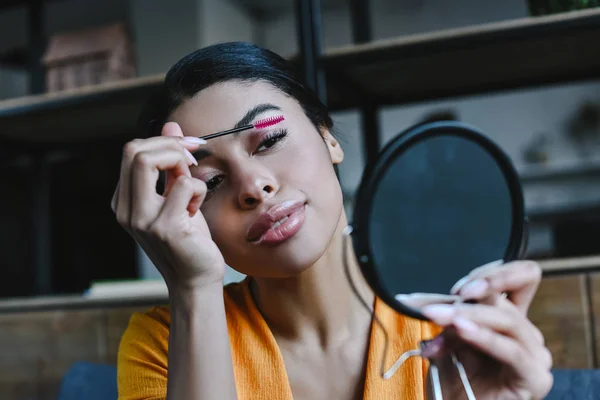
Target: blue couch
x=99, y=382
x=89, y=381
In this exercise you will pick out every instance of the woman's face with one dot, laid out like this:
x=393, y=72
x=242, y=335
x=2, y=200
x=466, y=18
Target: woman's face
x=274, y=201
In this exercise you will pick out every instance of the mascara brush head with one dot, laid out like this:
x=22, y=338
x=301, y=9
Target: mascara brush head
x=265, y=123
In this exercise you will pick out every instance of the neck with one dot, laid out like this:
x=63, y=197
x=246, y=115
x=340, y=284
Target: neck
x=320, y=303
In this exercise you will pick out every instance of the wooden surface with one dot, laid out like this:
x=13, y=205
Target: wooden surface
x=566, y=266
x=595, y=305
x=19, y=3
x=561, y=311
x=96, y=112
x=563, y=266
x=36, y=349
x=76, y=302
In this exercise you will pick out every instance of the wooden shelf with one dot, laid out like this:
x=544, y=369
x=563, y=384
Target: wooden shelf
x=77, y=302
x=562, y=266
x=102, y=111
x=564, y=171
x=17, y=3
x=500, y=56
x=466, y=61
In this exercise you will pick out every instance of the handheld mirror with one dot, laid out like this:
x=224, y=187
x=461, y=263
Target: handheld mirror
x=440, y=200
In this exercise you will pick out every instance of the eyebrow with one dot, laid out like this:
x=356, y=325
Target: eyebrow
x=201, y=154
x=255, y=112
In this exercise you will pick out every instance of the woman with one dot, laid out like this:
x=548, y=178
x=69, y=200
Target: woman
x=268, y=203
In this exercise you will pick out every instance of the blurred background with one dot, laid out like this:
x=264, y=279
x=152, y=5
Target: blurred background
x=75, y=73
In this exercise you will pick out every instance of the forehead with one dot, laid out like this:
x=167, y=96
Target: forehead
x=222, y=105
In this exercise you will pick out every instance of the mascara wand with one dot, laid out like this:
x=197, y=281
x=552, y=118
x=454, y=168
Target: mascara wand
x=261, y=124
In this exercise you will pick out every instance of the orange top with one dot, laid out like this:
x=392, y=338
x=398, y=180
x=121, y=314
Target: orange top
x=258, y=364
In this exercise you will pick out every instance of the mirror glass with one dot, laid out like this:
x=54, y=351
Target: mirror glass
x=438, y=207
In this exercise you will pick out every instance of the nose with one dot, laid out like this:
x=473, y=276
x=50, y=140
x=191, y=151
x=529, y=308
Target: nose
x=255, y=187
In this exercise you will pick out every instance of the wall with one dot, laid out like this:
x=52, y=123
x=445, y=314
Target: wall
x=13, y=83
x=163, y=32
x=13, y=33
x=224, y=21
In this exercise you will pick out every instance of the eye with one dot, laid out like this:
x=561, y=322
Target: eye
x=212, y=183
x=271, y=140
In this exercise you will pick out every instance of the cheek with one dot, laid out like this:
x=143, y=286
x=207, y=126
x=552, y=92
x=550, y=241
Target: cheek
x=313, y=163
x=308, y=155
x=220, y=222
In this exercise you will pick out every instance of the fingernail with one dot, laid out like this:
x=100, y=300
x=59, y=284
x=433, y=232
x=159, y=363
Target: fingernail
x=461, y=282
x=194, y=140
x=475, y=289
x=401, y=297
x=191, y=157
x=441, y=314
x=468, y=328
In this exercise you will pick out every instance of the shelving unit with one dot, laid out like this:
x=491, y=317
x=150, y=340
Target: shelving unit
x=69, y=113
x=500, y=56
x=472, y=60
x=505, y=55
x=494, y=57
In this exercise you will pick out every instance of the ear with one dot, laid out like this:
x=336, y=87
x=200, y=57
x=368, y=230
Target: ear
x=335, y=150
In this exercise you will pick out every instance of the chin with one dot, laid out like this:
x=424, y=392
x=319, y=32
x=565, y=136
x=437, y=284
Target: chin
x=285, y=261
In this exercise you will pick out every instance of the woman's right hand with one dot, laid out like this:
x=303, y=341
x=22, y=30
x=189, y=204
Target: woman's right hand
x=169, y=227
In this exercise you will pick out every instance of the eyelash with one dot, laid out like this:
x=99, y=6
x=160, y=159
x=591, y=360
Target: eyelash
x=273, y=137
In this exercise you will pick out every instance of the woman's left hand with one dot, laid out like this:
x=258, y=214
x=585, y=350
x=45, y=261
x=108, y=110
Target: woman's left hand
x=502, y=351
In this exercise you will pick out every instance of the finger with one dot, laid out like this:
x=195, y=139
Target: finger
x=185, y=191
x=196, y=203
x=534, y=374
x=507, y=321
x=503, y=302
x=519, y=279
x=534, y=337
x=130, y=150
x=172, y=129
x=122, y=207
x=146, y=203
x=418, y=300
x=473, y=274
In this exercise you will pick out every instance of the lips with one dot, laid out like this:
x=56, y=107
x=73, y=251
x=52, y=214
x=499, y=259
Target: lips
x=276, y=220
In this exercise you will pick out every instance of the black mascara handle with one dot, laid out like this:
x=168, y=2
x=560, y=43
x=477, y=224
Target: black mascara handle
x=228, y=132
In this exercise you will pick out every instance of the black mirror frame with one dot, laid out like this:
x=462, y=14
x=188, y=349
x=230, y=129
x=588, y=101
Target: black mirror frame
x=374, y=173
